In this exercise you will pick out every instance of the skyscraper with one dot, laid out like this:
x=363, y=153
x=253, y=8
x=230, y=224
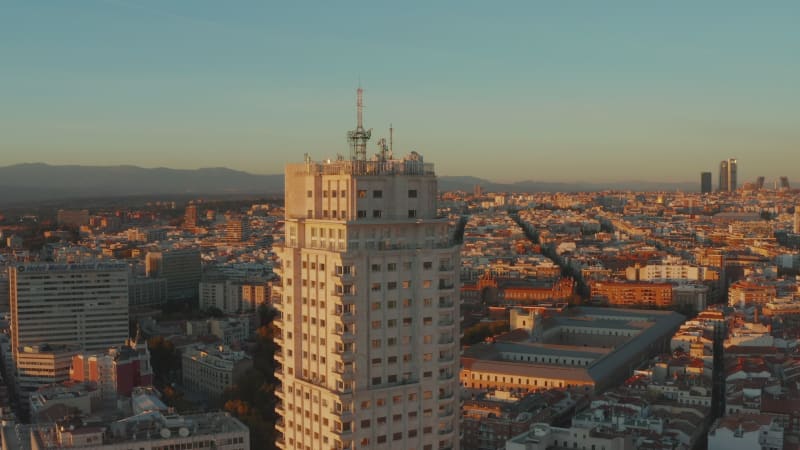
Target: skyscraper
x=59, y=309
x=796, y=225
x=369, y=313
x=705, y=182
x=190, y=216
x=180, y=267
x=75, y=304
x=727, y=175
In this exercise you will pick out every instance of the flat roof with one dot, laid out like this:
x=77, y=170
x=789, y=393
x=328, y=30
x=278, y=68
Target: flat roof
x=653, y=325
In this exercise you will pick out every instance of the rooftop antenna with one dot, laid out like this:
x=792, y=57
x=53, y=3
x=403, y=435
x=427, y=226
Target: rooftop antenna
x=358, y=138
x=360, y=105
x=391, y=136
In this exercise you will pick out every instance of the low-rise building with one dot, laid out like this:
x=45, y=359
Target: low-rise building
x=544, y=437
x=594, y=348
x=212, y=370
x=745, y=432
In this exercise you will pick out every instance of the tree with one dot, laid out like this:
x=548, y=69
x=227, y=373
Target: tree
x=164, y=359
x=252, y=399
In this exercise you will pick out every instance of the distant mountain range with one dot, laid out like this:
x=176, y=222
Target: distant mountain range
x=24, y=183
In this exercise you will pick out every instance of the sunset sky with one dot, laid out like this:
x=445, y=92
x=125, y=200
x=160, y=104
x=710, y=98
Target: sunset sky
x=551, y=91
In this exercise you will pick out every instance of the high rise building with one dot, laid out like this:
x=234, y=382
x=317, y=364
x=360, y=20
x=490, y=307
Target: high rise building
x=727, y=175
x=190, y=216
x=369, y=312
x=705, y=182
x=75, y=304
x=237, y=229
x=180, y=267
x=60, y=309
x=796, y=227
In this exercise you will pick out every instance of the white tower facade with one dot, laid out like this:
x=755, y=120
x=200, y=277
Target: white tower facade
x=369, y=311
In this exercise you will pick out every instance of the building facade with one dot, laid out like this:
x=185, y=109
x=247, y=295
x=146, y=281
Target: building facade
x=369, y=316
x=705, y=183
x=74, y=304
x=727, y=175
x=41, y=365
x=117, y=371
x=212, y=370
x=633, y=293
x=180, y=267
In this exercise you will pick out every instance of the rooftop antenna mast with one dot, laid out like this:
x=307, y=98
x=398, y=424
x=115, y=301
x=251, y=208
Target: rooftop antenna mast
x=391, y=136
x=358, y=138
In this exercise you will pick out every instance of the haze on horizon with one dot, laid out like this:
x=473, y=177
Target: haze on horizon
x=509, y=92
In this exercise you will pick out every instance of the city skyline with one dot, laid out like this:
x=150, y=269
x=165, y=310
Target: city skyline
x=597, y=93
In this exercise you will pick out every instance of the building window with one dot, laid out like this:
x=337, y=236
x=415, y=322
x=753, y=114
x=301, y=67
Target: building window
x=309, y=194
x=377, y=194
x=376, y=213
x=412, y=193
x=412, y=213
x=361, y=213
x=362, y=193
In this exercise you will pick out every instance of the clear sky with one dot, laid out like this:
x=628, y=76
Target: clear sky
x=553, y=91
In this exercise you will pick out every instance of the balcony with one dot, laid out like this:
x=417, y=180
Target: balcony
x=279, y=392
x=447, y=304
x=446, y=358
x=279, y=357
x=345, y=415
x=346, y=317
x=346, y=355
x=344, y=435
x=347, y=374
x=279, y=427
x=348, y=297
x=446, y=340
x=346, y=337
x=345, y=277
x=446, y=414
x=445, y=285
x=446, y=322
x=446, y=376
x=445, y=395
x=445, y=431
x=446, y=267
